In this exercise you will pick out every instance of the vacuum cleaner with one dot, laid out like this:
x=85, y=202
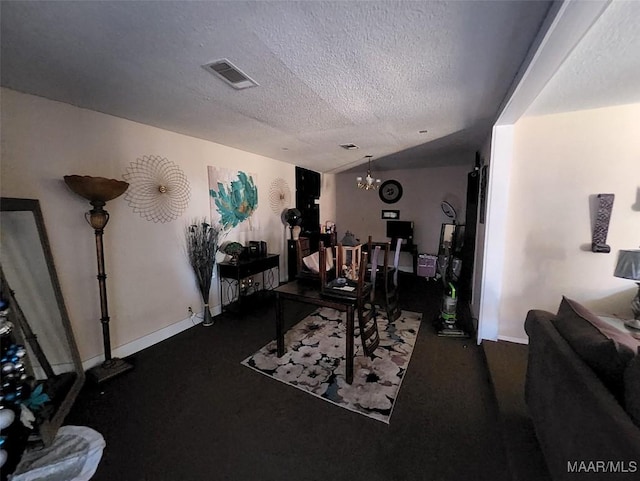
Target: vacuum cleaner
x=448, y=320
x=449, y=267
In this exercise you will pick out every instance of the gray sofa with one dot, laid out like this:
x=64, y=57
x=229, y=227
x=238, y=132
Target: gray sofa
x=587, y=421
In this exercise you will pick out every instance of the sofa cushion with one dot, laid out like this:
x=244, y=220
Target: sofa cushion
x=601, y=347
x=632, y=389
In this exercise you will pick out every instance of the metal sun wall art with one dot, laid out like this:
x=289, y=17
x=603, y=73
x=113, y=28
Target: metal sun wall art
x=279, y=195
x=158, y=190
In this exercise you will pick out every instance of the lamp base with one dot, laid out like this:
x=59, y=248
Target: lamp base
x=635, y=305
x=108, y=370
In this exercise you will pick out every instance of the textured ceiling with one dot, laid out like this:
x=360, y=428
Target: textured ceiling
x=372, y=73
x=603, y=69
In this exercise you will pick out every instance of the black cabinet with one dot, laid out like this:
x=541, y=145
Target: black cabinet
x=307, y=195
x=292, y=260
x=308, y=182
x=467, y=254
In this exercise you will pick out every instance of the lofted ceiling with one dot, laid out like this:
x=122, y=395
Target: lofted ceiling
x=370, y=73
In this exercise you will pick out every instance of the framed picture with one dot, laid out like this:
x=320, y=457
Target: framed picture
x=390, y=214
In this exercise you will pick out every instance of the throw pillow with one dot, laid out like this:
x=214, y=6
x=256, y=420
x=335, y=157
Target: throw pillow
x=605, y=354
x=632, y=389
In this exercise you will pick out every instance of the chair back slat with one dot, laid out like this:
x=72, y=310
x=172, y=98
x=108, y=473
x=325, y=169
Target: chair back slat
x=396, y=260
x=339, y=261
x=322, y=263
x=386, y=272
x=367, y=320
x=374, y=270
x=361, y=275
x=303, y=249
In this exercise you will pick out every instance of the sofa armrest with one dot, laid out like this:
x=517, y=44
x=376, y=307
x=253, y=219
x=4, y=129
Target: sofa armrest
x=575, y=417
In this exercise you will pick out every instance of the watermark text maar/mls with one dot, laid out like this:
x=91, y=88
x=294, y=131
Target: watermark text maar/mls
x=602, y=466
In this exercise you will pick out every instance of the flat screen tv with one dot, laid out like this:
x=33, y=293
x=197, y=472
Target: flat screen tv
x=400, y=229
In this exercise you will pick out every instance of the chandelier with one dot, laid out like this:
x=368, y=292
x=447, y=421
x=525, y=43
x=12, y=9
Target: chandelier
x=368, y=182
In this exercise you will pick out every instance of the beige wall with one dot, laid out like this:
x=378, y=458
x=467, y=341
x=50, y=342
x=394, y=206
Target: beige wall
x=559, y=161
x=328, y=198
x=150, y=284
x=359, y=211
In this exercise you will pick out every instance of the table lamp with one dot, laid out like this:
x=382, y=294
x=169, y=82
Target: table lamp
x=628, y=267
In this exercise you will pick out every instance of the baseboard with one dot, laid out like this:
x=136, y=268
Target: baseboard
x=151, y=339
x=517, y=340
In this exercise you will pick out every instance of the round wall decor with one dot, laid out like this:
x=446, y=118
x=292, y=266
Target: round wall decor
x=158, y=189
x=390, y=191
x=279, y=195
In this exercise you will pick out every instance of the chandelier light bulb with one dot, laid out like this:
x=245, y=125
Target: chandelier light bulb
x=369, y=182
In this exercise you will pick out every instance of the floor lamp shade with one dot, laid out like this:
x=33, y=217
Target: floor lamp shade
x=98, y=191
x=628, y=266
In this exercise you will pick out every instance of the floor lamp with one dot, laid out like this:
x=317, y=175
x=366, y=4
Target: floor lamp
x=98, y=191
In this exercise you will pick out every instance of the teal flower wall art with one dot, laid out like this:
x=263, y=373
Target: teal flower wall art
x=236, y=202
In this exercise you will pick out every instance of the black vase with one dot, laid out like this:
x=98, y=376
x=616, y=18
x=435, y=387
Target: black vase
x=207, y=318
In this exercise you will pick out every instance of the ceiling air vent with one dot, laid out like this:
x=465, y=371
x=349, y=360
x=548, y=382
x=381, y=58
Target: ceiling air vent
x=349, y=146
x=230, y=74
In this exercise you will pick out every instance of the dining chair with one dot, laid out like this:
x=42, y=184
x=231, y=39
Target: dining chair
x=391, y=286
x=388, y=289
x=304, y=256
x=322, y=256
x=349, y=257
x=366, y=308
x=364, y=300
x=303, y=249
x=396, y=260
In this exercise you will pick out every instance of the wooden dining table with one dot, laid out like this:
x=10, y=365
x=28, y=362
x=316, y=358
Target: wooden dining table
x=332, y=296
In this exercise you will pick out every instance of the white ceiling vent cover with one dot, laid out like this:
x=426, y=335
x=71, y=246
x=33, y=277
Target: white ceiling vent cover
x=230, y=74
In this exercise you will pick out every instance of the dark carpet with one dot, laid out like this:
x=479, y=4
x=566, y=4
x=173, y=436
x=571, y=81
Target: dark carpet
x=190, y=411
x=507, y=365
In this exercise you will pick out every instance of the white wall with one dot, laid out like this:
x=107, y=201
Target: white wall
x=559, y=161
x=359, y=211
x=478, y=260
x=495, y=247
x=149, y=282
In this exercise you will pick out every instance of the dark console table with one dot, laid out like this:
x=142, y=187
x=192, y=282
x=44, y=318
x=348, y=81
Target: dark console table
x=237, y=279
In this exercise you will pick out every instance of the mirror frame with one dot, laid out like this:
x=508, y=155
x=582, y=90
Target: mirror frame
x=457, y=238
x=48, y=428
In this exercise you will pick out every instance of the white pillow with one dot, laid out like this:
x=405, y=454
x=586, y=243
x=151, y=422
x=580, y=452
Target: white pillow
x=312, y=262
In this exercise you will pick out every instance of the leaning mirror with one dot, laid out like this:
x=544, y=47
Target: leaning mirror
x=44, y=354
x=447, y=237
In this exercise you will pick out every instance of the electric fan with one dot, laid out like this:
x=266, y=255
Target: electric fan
x=293, y=217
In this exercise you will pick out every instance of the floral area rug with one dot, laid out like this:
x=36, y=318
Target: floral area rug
x=314, y=361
